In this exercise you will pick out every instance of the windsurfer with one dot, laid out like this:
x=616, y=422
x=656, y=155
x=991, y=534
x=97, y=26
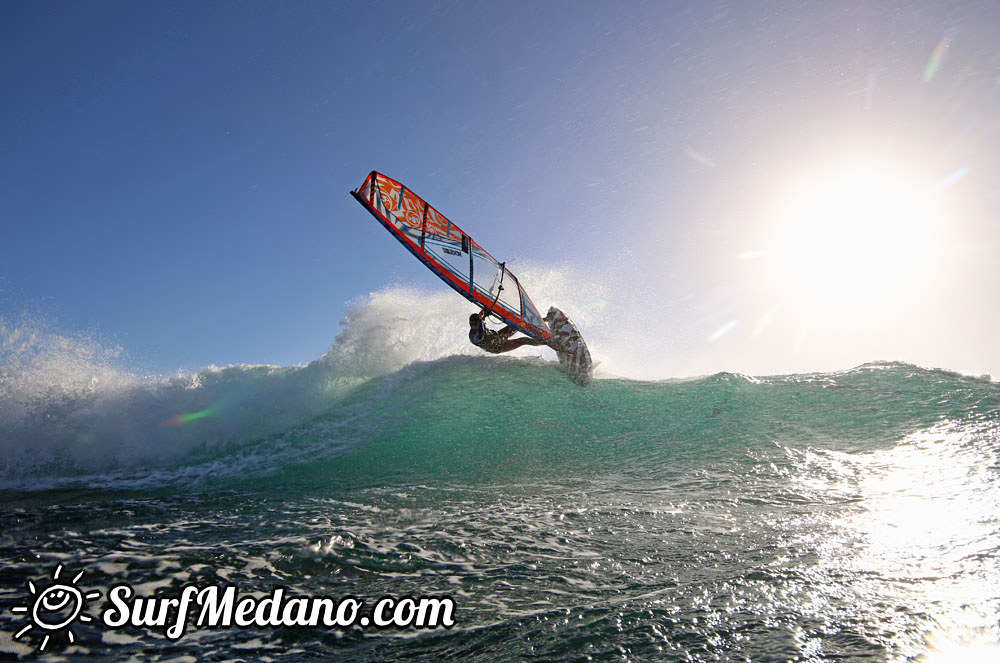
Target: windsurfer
x=496, y=341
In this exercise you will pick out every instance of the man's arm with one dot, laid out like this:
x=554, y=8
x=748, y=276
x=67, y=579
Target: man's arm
x=506, y=332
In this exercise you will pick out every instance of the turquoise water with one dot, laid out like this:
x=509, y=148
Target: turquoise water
x=840, y=516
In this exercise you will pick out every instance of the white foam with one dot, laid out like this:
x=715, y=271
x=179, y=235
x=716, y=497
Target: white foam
x=72, y=412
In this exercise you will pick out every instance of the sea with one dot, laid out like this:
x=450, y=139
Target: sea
x=851, y=515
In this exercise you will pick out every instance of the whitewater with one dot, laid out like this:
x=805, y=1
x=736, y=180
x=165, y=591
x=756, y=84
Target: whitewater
x=850, y=515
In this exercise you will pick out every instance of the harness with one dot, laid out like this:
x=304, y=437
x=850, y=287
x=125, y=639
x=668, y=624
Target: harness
x=489, y=340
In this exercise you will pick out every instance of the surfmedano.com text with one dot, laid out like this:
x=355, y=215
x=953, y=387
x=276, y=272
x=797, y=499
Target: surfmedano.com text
x=221, y=607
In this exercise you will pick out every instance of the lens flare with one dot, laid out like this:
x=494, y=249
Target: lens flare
x=950, y=180
x=937, y=57
x=181, y=419
x=723, y=330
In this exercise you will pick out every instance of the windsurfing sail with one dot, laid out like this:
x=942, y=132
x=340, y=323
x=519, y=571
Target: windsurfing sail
x=450, y=253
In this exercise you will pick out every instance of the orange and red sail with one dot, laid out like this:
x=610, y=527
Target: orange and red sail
x=450, y=253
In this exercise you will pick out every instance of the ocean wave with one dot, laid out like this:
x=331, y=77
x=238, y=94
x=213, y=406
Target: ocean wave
x=72, y=413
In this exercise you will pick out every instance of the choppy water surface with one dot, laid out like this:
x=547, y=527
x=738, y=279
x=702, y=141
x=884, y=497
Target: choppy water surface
x=847, y=516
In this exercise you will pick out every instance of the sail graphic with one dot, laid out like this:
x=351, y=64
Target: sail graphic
x=449, y=252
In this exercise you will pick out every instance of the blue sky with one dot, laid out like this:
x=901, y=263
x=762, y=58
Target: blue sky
x=174, y=176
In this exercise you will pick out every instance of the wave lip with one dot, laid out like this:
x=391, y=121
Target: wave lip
x=72, y=413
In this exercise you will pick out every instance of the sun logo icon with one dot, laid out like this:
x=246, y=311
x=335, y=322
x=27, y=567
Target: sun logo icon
x=55, y=608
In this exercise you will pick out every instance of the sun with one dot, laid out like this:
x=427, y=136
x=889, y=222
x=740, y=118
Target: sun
x=859, y=239
x=55, y=608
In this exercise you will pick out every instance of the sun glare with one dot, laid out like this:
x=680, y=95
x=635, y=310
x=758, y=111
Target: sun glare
x=857, y=240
